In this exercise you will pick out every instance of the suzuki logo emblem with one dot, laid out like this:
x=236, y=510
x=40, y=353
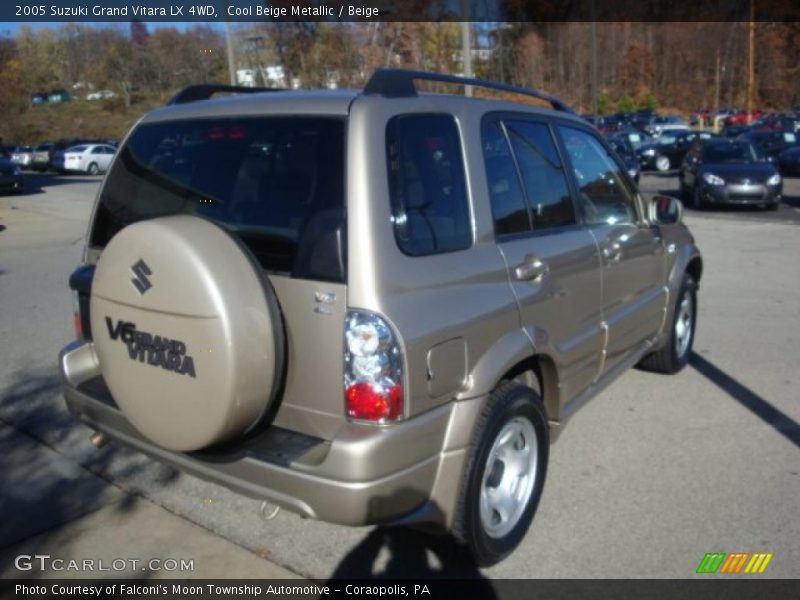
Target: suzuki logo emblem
x=140, y=272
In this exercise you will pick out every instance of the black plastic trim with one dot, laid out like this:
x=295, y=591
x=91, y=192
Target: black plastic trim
x=193, y=93
x=399, y=83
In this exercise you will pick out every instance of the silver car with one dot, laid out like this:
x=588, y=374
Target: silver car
x=22, y=156
x=373, y=306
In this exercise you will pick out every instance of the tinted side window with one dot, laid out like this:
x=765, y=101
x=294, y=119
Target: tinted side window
x=602, y=192
x=426, y=185
x=545, y=184
x=505, y=192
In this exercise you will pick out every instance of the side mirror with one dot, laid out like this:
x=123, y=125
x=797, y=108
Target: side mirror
x=665, y=210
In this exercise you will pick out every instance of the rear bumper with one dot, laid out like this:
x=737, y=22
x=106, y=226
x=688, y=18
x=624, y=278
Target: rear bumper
x=365, y=475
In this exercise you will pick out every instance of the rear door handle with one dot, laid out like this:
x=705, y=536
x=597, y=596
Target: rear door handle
x=613, y=252
x=532, y=269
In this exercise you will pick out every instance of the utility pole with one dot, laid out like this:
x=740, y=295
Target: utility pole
x=751, y=74
x=594, y=66
x=229, y=47
x=466, y=45
x=716, y=85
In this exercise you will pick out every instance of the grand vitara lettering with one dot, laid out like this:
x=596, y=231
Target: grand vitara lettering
x=155, y=350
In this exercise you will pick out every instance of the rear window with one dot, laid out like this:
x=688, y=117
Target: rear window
x=277, y=183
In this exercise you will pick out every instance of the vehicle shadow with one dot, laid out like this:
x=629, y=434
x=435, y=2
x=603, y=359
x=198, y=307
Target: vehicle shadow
x=36, y=182
x=392, y=553
x=778, y=420
x=49, y=473
x=793, y=201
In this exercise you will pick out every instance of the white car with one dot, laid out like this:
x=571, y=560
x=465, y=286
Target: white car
x=100, y=95
x=87, y=158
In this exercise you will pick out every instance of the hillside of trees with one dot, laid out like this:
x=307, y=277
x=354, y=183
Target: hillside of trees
x=676, y=66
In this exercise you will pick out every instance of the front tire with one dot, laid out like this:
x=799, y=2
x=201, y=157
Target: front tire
x=504, y=474
x=674, y=355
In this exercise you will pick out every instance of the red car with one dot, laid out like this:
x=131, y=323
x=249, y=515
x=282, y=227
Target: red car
x=741, y=118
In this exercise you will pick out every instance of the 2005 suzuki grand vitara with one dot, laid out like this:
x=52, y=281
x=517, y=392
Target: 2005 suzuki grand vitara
x=375, y=306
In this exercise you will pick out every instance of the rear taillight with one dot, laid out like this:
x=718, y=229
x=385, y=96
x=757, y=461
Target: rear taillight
x=373, y=369
x=76, y=317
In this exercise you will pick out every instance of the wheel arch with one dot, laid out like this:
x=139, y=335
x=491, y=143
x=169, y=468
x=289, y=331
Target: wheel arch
x=695, y=268
x=514, y=357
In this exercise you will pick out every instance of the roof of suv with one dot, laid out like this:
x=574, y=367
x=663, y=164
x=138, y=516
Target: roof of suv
x=336, y=102
x=319, y=102
x=388, y=84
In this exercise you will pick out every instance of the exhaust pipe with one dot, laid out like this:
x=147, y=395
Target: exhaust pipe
x=98, y=440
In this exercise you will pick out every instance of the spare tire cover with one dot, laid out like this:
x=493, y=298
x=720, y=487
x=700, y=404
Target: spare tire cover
x=187, y=331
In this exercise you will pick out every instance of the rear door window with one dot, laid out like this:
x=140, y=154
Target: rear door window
x=542, y=173
x=426, y=185
x=509, y=209
x=276, y=183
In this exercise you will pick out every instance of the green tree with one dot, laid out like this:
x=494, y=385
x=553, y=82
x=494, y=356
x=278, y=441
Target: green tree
x=648, y=102
x=602, y=103
x=625, y=104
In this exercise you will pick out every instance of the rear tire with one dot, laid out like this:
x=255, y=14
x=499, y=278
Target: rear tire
x=674, y=355
x=93, y=169
x=504, y=474
x=662, y=163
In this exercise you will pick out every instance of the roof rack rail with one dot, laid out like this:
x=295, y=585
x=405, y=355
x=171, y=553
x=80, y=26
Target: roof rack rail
x=204, y=91
x=399, y=83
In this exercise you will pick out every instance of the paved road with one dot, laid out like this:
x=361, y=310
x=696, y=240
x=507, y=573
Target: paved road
x=643, y=482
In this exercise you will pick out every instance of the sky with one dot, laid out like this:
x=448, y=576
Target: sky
x=10, y=29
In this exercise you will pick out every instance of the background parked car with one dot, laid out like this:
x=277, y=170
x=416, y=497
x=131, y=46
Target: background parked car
x=626, y=152
x=59, y=147
x=742, y=117
x=667, y=151
x=728, y=172
x=788, y=162
x=100, y=95
x=88, y=158
x=10, y=176
x=666, y=123
x=38, y=98
x=769, y=144
x=22, y=156
x=41, y=157
x=636, y=137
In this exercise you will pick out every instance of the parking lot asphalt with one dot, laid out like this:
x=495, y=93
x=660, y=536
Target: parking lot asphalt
x=647, y=478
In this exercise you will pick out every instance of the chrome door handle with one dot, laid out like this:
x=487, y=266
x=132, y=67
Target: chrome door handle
x=532, y=269
x=613, y=252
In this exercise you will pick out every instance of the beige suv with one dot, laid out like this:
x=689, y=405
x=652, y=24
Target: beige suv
x=371, y=307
